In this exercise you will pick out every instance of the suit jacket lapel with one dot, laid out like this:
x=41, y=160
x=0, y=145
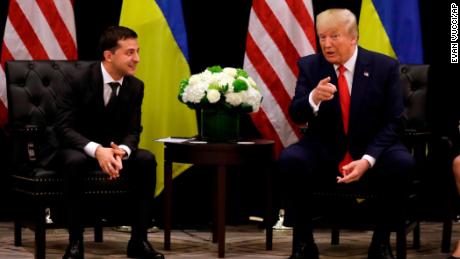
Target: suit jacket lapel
x=97, y=86
x=328, y=70
x=123, y=94
x=360, y=83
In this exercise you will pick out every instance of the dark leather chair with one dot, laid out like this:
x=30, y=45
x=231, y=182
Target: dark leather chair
x=439, y=190
x=358, y=203
x=32, y=89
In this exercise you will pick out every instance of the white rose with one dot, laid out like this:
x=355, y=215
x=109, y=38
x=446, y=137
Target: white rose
x=213, y=96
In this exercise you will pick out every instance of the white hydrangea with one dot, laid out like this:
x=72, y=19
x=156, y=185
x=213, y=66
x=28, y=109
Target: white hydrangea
x=194, y=93
x=194, y=79
x=253, y=98
x=225, y=79
x=252, y=82
x=205, y=76
x=213, y=95
x=234, y=99
x=230, y=71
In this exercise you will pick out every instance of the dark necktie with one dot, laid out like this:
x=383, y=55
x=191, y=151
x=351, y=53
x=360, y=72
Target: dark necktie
x=113, y=96
x=344, y=96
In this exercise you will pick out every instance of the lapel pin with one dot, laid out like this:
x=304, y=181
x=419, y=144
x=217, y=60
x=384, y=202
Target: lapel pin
x=366, y=74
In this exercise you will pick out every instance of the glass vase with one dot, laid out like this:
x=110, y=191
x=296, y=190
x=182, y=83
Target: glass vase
x=219, y=125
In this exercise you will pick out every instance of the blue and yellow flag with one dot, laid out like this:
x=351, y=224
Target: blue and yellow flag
x=392, y=27
x=164, y=63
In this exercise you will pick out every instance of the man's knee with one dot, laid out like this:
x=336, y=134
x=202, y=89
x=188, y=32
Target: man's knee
x=145, y=157
x=456, y=166
x=71, y=158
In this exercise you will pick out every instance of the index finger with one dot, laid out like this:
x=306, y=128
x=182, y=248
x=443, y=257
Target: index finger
x=325, y=80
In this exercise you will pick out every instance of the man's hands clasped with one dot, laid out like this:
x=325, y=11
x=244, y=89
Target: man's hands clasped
x=110, y=159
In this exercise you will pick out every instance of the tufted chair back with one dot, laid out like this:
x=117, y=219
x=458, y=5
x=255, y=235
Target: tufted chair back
x=32, y=90
x=414, y=81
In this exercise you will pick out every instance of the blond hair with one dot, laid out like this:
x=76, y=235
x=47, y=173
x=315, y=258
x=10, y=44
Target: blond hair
x=335, y=17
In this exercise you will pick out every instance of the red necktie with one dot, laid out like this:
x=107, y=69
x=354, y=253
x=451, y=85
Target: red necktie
x=344, y=96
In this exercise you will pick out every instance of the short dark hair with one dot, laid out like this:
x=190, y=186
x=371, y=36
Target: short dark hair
x=110, y=37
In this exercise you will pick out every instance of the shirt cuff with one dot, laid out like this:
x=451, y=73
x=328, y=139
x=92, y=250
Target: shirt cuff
x=90, y=149
x=369, y=159
x=127, y=149
x=312, y=104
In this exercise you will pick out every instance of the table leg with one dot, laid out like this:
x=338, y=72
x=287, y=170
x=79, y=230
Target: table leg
x=167, y=204
x=268, y=210
x=221, y=177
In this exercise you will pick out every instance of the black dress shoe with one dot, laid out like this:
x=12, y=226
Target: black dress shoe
x=142, y=249
x=74, y=250
x=305, y=251
x=381, y=251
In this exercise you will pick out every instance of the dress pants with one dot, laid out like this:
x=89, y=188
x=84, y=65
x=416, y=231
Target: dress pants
x=139, y=169
x=309, y=166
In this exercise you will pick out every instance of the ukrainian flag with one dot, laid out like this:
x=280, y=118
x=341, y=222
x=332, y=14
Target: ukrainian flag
x=392, y=27
x=164, y=63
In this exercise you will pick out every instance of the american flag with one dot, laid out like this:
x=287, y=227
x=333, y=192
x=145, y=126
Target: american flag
x=36, y=29
x=280, y=32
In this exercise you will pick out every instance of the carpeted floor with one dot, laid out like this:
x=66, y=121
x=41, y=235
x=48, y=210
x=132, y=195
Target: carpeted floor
x=241, y=242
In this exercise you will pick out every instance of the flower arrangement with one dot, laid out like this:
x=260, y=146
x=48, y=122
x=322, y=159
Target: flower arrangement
x=221, y=88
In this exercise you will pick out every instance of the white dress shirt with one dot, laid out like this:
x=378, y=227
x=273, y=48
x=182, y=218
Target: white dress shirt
x=90, y=148
x=349, y=72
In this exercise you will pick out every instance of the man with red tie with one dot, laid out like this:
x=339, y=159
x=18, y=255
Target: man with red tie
x=352, y=101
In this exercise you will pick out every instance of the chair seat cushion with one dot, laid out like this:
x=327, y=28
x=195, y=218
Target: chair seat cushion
x=40, y=182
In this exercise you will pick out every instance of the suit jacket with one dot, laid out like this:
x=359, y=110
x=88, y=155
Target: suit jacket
x=375, y=110
x=82, y=116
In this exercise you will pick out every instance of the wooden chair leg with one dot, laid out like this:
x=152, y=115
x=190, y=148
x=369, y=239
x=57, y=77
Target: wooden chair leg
x=401, y=243
x=335, y=236
x=98, y=233
x=446, y=235
x=416, y=236
x=17, y=232
x=40, y=234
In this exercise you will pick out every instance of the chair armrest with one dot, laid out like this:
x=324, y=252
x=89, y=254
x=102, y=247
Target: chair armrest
x=25, y=136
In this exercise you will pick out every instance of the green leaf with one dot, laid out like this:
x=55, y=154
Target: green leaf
x=239, y=85
x=214, y=86
x=246, y=107
x=241, y=72
x=224, y=88
x=182, y=85
x=215, y=69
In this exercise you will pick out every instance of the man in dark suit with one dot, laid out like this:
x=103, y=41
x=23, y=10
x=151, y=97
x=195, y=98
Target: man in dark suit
x=99, y=124
x=352, y=102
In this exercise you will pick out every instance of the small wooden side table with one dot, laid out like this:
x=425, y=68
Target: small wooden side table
x=220, y=155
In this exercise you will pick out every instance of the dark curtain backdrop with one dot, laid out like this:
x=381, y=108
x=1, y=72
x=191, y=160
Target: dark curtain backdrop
x=216, y=35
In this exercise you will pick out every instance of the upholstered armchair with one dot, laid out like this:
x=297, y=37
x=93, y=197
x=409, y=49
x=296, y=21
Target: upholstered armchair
x=440, y=195
x=32, y=88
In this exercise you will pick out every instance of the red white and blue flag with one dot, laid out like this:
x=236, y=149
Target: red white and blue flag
x=280, y=32
x=36, y=30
